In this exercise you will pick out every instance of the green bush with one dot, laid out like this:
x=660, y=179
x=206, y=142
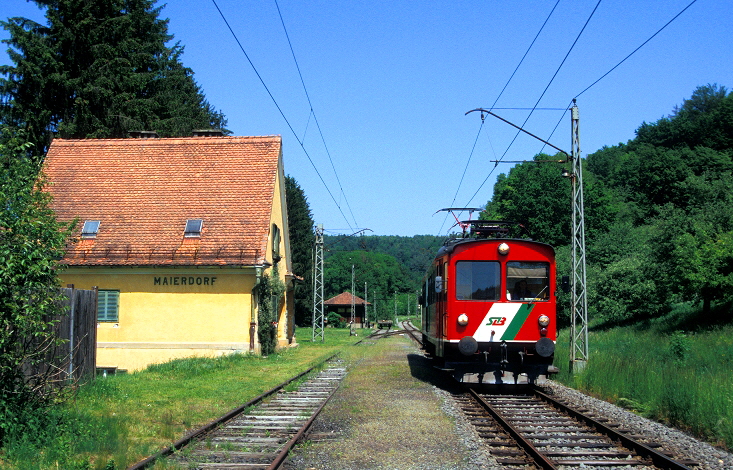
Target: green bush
x=335, y=320
x=270, y=291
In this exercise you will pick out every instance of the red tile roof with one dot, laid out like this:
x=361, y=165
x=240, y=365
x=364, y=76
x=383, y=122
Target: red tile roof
x=143, y=191
x=344, y=298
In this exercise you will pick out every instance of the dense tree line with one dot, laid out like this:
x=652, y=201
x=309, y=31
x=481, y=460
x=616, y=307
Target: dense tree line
x=391, y=266
x=414, y=253
x=659, y=212
x=98, y=69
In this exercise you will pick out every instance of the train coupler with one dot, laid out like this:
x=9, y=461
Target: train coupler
x=504, y=355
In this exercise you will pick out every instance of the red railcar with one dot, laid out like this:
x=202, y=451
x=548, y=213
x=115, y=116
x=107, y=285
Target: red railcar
x=489, y=309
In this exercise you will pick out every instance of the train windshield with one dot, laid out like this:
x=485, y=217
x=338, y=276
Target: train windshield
x=478, y=280
x=528, y=280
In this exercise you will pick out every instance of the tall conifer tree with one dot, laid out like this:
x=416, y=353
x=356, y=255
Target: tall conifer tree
x=300, y=222
x=99, y=69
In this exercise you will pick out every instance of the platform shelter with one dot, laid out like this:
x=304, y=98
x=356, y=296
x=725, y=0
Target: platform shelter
x=341, y=304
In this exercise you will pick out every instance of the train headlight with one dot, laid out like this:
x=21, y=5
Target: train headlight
x=463, y=319
x=544, y=320
x=503, y=249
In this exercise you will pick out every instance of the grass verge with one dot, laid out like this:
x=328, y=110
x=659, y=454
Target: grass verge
x=680, y=378
x=116, y=421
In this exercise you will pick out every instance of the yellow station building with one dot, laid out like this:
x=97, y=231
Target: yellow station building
x=175, y=233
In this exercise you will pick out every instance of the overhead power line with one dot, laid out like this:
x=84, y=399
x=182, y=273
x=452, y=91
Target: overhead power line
x=281, y=112
x=464, y=174
x=617, y=65
x=634, y=51
x=525, y=54
x=313, y=112
x=492, y=107
x=572, y=46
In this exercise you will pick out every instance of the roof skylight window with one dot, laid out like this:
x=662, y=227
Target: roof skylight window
x=193, y=228
x=90, y=229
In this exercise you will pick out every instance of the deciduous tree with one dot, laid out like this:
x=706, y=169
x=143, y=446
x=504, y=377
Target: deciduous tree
x=31, y=242
x=383, y=273
x=536, y=196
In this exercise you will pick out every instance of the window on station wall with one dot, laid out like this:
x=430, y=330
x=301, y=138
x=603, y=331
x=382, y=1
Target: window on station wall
x=275, y=243
x=478, y=280
x=108, y=302
x=528, y=280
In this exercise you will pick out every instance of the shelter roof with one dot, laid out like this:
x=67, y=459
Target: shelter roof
x=344, y=298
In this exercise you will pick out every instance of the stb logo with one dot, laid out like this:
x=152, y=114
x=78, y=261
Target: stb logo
x=496, y=321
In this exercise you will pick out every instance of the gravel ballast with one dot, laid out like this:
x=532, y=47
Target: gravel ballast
x=395, y=411
x=706, y=455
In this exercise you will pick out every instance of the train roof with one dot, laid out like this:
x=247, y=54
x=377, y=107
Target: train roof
x=452, y=243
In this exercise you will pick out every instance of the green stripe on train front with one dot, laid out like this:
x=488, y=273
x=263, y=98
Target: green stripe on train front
x=517, y=322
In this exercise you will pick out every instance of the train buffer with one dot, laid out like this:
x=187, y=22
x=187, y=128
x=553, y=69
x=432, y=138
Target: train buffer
x=384, y=324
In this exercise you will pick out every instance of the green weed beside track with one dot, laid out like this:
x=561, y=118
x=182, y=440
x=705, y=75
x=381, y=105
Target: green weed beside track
x=683, y=379
x=116, y=421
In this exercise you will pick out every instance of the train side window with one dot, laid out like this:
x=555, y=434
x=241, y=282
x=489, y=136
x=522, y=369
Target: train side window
x=528, y=280
x=431, y=289
x=478, y=280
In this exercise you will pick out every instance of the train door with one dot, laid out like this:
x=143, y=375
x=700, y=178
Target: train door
x=441, y=312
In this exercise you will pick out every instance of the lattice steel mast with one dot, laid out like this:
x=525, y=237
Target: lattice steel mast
x=318, y=285
x=579, y=299
x=352, y=321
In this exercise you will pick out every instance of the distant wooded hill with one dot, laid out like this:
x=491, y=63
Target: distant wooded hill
x=412, y=254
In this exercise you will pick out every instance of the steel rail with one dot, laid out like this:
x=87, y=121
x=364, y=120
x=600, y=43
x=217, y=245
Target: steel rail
x=185, y=440
x=540, y=459
x=658, y=459
x=370, y=336
x=410, y=330
x=283, y=454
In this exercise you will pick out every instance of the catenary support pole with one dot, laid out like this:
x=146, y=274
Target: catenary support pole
x=318, y=285
x=579, y=299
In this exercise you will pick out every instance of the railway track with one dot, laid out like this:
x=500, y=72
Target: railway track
x=534, y=430
x=261, y=433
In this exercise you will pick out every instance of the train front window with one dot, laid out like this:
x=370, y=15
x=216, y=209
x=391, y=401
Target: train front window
x=528, y=280
x=478, y=280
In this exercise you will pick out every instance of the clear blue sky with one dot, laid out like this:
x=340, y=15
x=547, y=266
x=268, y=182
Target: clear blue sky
x=390, y=81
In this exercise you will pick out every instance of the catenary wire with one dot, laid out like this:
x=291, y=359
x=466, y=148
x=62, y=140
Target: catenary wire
x=313, y=112
x=478, y=134
x=616, y=66
x=492, y=107
x=281, y=112
x=538, y=101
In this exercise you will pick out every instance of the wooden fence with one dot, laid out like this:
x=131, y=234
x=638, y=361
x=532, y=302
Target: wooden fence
x=79, y=327
x=73, y=359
